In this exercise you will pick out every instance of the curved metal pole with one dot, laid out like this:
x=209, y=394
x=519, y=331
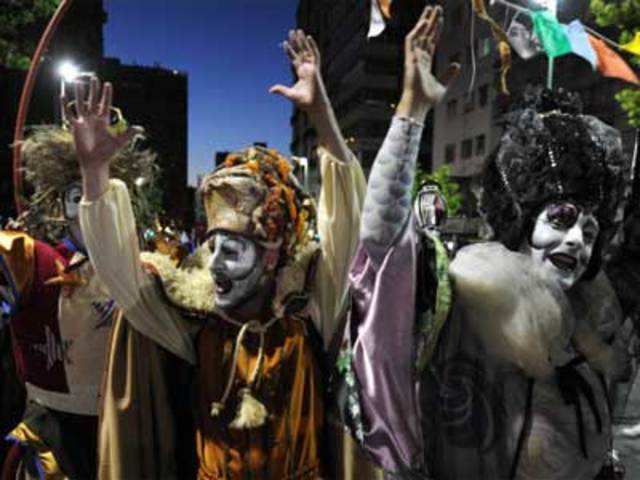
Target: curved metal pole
x=25, y=99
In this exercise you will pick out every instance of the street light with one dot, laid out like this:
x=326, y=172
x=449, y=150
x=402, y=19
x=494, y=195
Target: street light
x=68, y=71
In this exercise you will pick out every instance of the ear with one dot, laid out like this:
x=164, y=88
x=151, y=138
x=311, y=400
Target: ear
x=270, y=258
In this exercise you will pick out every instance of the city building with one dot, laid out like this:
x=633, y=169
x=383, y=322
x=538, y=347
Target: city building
x=363, y=76
x=466, y=126
x=154, y=97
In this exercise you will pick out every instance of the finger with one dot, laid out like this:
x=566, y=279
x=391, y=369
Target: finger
x=302, y=41
x=419, y=24
x=92, y=101
x=420, y=31
x=293, y=41
x=107, y=99
x=281, y=90
x=433, y=39
x=314, y=48
x=450, y=74
x=433, y=20
x=66, y=109
x=307, y=44
x=81, y=107
x=291, y=53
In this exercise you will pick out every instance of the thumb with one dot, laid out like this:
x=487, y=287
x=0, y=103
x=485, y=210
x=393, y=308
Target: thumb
x=281, y=90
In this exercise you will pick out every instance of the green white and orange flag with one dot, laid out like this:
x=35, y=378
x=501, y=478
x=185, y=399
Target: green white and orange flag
x=610, y=64
x=551, y=33
x=380, y=13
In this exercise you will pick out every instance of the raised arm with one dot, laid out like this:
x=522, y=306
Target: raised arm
x=343, y=183
x=387, y=204
x=108, y=224
x=310, y=95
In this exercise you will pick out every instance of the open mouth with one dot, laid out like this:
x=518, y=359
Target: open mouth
x=563, y=262
x=223, y=285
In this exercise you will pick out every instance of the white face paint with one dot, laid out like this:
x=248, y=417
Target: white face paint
x=72, y=197
x=562, y=242
x=237, y=268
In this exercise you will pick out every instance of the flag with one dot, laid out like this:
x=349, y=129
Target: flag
x=610, y=64
x=634, y=45
x=380, y=10
x=580, y=44
x=551, y=34
x=522, y=39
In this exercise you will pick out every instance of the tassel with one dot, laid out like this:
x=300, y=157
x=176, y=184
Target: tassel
x=251, y=413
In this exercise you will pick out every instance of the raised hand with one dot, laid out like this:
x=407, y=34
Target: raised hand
x=95, y=143
x=303, y=52
x=420, y=84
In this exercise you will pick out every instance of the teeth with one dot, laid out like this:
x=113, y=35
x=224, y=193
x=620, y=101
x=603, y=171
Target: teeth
x=563, y=262
x=223, y=285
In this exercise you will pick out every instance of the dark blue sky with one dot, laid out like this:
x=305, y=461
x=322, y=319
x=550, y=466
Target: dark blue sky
x=230, y=50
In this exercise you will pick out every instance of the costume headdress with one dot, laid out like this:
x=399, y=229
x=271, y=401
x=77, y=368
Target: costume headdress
x=550, y=151
x=255, y=194
x=50, y=167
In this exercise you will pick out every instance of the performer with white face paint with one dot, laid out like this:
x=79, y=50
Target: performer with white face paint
x=59, y=312
x=251, y=311
x=513, y=344
x=562, y=242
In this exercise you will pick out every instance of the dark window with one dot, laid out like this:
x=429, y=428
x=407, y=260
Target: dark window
x=469, y=102
x=467, y=148
x=452, y=108
x=483, y=94
x=481, y=141
x=450, y=153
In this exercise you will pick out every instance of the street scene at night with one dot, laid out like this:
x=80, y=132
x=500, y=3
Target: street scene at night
x=319, y=239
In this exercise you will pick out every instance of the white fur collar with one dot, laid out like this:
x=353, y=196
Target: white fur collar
x=525, y=318
x=191, y=287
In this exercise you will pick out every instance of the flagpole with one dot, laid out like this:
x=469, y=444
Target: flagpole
x=550, y=74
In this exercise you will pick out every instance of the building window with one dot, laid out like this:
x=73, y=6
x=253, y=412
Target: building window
x=484, y=47
x=452, y=108
x=467, y=148
x=469, y=102
x=483, y=94
x=450, y=153
x=481, y=141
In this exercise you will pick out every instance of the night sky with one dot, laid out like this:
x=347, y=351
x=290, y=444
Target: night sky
x=230, y=50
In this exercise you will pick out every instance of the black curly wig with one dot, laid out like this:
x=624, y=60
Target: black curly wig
x=549, y=152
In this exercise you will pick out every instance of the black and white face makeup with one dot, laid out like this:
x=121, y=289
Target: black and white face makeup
x=562, y=242
x=237, y=268
x=72, y=197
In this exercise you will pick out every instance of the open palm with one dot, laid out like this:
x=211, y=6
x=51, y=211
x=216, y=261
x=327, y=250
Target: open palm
x=420, y=46
x=305, y=58
x=95, y=143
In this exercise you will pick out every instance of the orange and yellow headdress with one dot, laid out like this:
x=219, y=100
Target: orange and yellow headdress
x=254, y=193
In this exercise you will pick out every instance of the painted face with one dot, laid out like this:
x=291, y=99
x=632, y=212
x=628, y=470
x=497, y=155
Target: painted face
x=237, y=268
x=72, y=197
x=562, y=242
